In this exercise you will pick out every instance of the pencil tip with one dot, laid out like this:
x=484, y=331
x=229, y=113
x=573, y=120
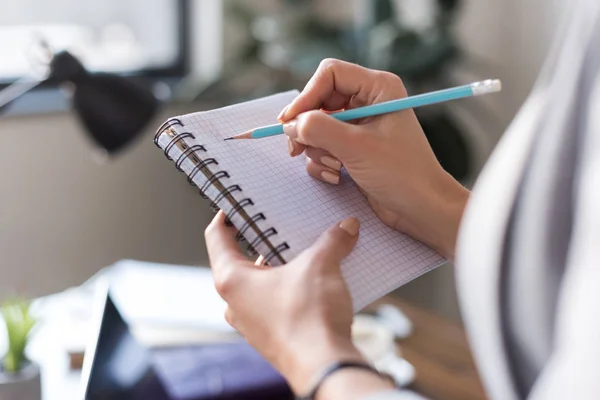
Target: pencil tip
x=245, y=135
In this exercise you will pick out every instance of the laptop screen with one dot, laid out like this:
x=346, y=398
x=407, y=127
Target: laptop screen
x=116, y=366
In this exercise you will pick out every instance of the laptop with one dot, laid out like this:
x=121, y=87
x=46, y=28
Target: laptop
x=118, y=367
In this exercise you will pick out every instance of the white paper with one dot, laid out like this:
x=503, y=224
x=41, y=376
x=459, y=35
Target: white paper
x=167, y=295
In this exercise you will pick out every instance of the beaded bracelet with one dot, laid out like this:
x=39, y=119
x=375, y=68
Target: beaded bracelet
x=336, y=366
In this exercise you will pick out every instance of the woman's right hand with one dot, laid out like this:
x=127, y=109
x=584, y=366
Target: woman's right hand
x=388, y=156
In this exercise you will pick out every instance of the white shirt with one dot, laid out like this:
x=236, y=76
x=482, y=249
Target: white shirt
x=528, y=257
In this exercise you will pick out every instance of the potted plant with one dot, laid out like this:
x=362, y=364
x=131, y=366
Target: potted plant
x=19, y=377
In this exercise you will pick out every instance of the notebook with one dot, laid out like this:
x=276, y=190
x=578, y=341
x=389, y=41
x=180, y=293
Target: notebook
x=276, y=206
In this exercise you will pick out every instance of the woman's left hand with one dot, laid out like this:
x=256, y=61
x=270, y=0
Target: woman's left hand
x=297, y=316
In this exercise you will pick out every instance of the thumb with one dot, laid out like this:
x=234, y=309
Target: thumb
x=317, y=129
x=335, y=244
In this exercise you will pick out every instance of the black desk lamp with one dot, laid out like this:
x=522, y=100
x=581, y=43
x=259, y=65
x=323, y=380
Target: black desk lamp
x=113, y=109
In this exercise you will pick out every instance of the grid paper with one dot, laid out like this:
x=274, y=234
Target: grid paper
x=298, y=206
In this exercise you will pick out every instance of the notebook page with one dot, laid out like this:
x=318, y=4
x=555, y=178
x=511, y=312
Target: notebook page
x=300, y=207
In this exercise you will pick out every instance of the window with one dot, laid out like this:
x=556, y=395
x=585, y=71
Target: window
x=126, y=36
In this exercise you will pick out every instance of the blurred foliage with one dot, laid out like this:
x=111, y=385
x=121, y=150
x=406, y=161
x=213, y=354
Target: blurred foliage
x=19, y=324
x=417, y=55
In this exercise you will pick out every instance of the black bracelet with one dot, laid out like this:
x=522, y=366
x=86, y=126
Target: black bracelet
x=336, y=366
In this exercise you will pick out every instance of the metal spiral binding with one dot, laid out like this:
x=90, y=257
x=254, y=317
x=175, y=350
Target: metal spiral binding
x=225, y=192
x=214, y=205
x=189, y=152
x=277, y=250
x=213, y=178
x=166, y=125
x=238, y=205
x=266, y=234
x=254, y=219
x=175, y=141
x=198, y=167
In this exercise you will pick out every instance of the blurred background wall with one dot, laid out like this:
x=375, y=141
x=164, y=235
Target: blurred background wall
x=63, y=215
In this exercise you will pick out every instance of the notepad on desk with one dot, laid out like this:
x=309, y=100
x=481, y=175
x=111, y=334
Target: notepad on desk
x=277, y=207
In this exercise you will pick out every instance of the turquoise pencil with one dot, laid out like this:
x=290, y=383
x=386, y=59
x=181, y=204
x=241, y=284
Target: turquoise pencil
x=440, y=96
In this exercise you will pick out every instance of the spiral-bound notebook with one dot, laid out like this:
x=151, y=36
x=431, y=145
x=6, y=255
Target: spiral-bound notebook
x=276, y=206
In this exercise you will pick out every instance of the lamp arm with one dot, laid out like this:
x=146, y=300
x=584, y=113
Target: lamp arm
x=18, y=89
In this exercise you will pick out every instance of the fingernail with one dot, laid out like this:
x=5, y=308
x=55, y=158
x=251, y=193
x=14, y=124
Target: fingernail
x=291, y=146
x=282, y=113
x=332, y=111
x=290, y=129
x=331, y=162
x=330, y=177
x=351, y=226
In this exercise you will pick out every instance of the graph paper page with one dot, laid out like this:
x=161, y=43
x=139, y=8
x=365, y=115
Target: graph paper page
x=299, y=207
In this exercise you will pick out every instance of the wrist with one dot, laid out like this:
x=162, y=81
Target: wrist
x=434, y=215
x=353, y=384
x=306, y=361
x=447, y=202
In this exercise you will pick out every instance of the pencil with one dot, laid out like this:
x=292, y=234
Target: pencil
x=440, y=96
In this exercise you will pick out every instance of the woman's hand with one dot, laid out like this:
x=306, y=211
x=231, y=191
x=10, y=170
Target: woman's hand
x=388, y=156
x=298, y=316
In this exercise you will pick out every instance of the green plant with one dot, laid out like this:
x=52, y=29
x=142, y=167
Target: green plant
x=19, y=324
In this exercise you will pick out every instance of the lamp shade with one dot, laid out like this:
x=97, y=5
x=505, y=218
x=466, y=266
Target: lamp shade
x=113, y=109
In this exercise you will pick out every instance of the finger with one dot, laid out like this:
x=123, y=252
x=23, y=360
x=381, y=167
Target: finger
x=222, y=246
x=317, y=129
x=282, y=114
x=335, y=102
x=295, y=148
x=229, y=317
x=260, y=260
x=334, y=79
x=322, y=172
x=224, y=254
x=335, y=244
x=323, y=157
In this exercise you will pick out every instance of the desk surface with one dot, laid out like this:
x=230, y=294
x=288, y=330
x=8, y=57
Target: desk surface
x=438, y=350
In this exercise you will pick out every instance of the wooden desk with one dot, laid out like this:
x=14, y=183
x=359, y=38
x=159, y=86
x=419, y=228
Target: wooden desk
x=438, y=350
